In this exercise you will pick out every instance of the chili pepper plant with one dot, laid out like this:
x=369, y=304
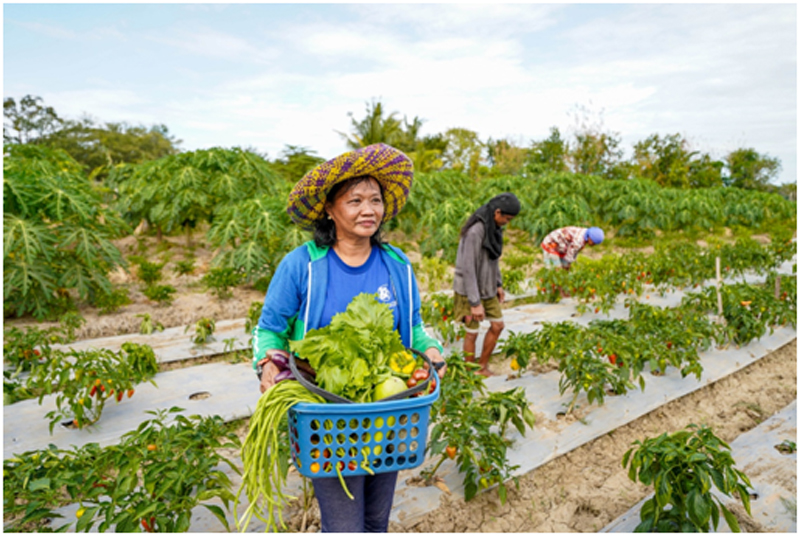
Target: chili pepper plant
x=465, y=428
x=149, y=482
x=682, y=467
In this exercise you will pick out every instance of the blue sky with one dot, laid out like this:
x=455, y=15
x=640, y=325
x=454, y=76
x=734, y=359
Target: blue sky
x=267, y=75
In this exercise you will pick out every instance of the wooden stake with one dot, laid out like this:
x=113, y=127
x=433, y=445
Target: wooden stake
x=719, y=291
x=777, y=287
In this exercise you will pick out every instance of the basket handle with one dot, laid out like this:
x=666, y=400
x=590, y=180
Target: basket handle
x=330, y=397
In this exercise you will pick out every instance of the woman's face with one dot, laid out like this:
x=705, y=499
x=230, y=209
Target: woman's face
x=357, y=211
x=501, y=219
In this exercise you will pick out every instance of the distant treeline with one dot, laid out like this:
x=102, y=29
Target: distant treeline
x=666, y=159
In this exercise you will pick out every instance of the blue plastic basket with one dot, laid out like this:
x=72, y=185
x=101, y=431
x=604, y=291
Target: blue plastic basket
x=381, y=436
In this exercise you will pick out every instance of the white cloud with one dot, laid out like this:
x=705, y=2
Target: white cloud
x=723, y=75
x=60, y=32
x=210, y=43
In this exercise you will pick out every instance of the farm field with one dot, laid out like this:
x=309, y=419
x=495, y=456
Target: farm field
x=686, y=314
x=530, y=454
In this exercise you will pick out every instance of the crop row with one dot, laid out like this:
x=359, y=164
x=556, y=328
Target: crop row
x=609, y=356
x=58, y=227
x=598, y=283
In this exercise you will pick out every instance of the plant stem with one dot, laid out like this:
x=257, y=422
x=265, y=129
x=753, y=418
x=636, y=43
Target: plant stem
x=436, y=468
x=574, y=399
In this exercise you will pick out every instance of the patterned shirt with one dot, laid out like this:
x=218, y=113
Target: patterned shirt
x=566, y=242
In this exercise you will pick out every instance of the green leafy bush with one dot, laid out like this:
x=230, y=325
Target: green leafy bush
x=148, y=326
x=163, y=294
x=203, y=329
x=150, y=481
x=112, y=301
x=56, y=233
x=150, y=272
x=222, y=280
x=185, y=267
x=682, y=466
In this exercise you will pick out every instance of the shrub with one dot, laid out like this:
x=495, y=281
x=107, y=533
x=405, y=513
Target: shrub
x=221, y=280
x=112, y=301
x=681, y=467
x=150, y=272
x=160, y=293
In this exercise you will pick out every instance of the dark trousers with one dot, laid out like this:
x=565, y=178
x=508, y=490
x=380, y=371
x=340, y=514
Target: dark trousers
x=369, y=509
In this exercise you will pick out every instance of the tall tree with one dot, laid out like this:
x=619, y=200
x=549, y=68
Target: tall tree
x=101, y=147
x=295, y=161
x=28, y=121
x=750, y=170
x=670, y=161
x=427, y=153
x=549, y=154
x=97, y=147
x=374, y=128
x=594, y=150
x=506, y=157
x=464, y=151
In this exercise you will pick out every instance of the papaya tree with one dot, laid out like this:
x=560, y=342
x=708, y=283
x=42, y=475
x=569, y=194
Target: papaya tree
x=180, y=191
x=56, y=233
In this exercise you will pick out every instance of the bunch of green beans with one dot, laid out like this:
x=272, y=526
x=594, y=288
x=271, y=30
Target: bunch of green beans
x=264, y=472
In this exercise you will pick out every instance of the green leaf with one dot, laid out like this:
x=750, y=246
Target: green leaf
x=714, y=516
x=219, y=513
x=733, y=523
x=39, y=484
x=698, y=505
x=86, y=520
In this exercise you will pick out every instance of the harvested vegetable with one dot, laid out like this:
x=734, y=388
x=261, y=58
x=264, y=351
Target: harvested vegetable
x=351, y=355
x=264, y=469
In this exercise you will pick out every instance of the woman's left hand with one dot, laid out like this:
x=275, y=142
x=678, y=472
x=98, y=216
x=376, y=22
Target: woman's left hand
x=436, y=357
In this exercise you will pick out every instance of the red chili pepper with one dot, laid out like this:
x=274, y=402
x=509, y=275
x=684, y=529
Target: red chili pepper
x=93, y=391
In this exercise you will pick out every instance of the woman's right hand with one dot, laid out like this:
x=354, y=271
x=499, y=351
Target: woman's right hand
x=268, y=373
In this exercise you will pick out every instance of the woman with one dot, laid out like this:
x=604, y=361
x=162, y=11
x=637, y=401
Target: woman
x=477, y=284
x=344, y=202
x=561, y=247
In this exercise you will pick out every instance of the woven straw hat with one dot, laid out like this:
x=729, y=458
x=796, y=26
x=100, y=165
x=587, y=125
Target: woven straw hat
x=389, y=166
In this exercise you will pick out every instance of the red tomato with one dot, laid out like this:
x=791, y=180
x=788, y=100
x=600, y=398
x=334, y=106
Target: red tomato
x=420, y=375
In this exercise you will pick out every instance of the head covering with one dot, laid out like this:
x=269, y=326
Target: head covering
x=387, y=165
x=493, y=237
x=595, y=234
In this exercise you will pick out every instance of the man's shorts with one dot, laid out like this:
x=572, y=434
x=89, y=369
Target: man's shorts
x=552, y=260
x=462, y=308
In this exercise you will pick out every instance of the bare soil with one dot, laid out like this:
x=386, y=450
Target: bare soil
x=192, y=300
x=586, y=489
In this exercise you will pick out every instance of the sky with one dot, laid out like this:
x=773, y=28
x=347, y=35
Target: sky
x=264, y=76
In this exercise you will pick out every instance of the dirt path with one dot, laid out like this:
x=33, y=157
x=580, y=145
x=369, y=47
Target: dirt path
x=587, y=488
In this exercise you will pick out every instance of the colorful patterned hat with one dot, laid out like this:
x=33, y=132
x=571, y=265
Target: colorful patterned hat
x=389, y=166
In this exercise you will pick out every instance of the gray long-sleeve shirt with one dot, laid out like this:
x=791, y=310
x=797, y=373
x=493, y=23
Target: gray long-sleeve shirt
x=477, y=276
